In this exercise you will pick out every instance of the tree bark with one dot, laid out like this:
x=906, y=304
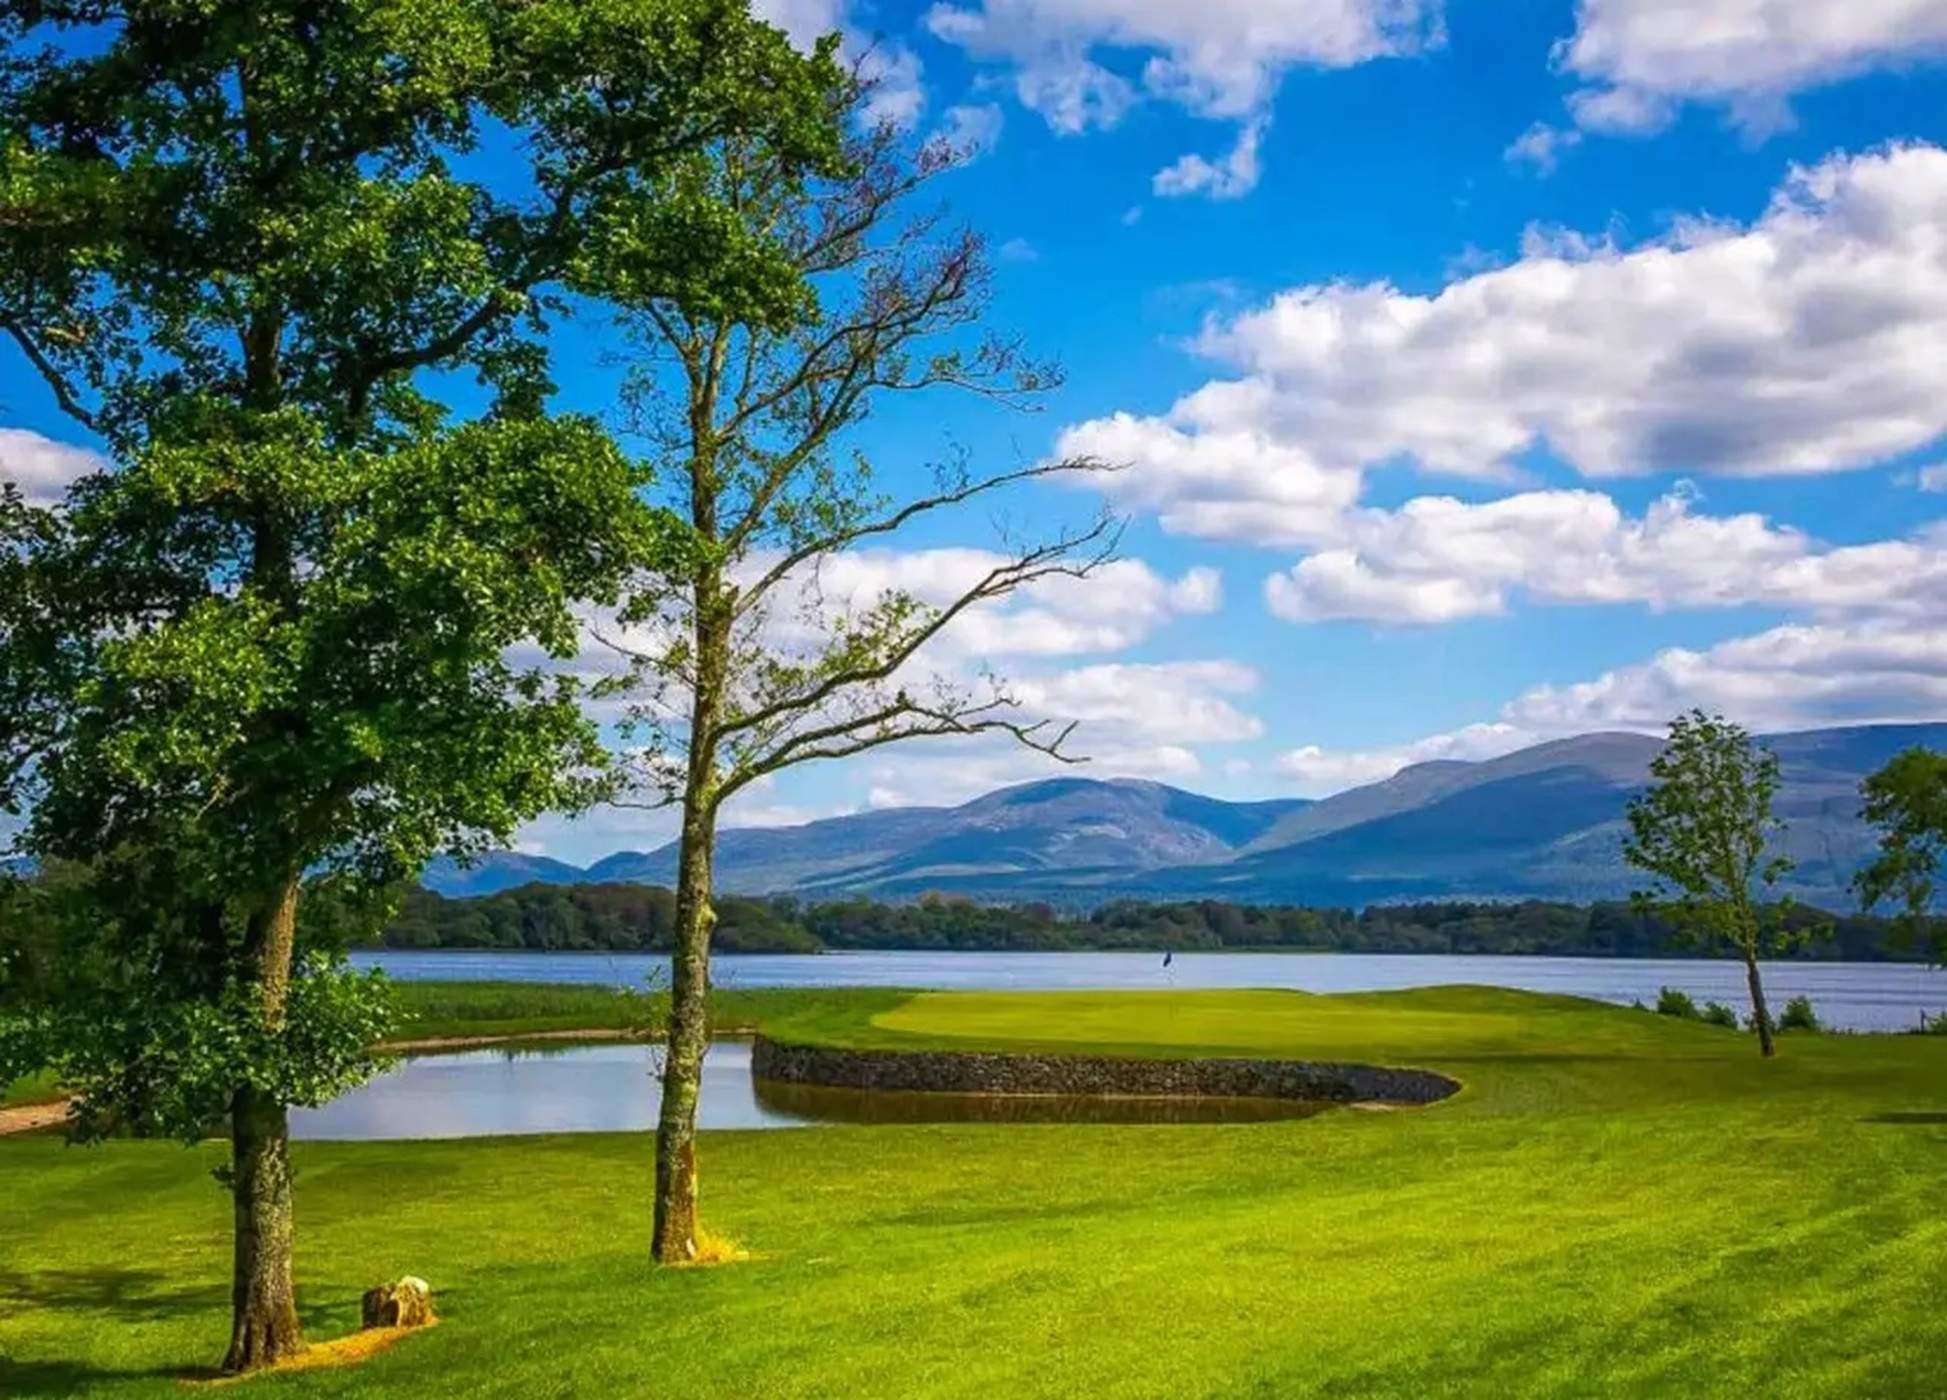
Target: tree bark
x=263, y=1304
x=674, y=1236
x=674, y=1240
x=1758, y=1009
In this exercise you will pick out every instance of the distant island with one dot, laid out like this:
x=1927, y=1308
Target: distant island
x=639, y=919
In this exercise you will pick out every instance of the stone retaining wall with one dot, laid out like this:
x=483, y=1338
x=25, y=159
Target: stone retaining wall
x=981, y=1072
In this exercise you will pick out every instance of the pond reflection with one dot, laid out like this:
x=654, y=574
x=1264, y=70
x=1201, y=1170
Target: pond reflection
x=581, y=1089
x=614, y=1089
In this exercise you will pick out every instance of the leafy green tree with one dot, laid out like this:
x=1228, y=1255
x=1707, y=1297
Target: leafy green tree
x=744, y=667
x=1907, y=801
x=1702, y=830
x=243, y=245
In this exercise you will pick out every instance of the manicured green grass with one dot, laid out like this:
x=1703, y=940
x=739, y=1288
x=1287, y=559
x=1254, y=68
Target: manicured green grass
x=1616, y=1203
x=437, y=1009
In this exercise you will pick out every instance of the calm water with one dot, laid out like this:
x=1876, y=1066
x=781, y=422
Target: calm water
x=1855, y=996
x=613, y=1088
x=587, y=1089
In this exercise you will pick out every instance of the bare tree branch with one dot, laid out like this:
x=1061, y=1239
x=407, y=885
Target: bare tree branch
x=64, y=395
x=845, y=539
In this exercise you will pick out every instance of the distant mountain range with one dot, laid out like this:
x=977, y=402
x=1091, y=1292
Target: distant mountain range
x=1544, y=822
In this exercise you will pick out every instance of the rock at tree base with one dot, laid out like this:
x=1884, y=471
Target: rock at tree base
x=407, y=1303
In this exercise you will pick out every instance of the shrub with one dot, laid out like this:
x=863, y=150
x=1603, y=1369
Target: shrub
x=1799, y=1016
x=1672, y=1002
x=1719, y=1014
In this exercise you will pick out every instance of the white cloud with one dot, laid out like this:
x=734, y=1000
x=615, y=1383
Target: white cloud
x=1800, y=676
x=1933, y=478
x=1796, y=676
x=1181, y=702
x=1645, y=56
x=43, y=468
x=1230, y=177
x=1222, y=59
x=1121, y=603
x=1017, y=250
x=1541, y=146
x=974, y=130
x=1813, y=341
x=1319, y=772
x=1436, y=559
x=893, y=71
x=1134, y=720
x=896, y=95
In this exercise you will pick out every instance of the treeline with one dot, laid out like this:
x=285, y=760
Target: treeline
x=641, y=918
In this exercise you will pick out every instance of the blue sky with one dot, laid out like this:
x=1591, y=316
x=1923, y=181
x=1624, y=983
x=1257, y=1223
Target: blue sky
x=1494, y=371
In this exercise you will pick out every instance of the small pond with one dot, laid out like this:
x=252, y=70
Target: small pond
x=613, y=1089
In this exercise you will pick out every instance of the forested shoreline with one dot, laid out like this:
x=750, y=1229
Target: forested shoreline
x=641, y=918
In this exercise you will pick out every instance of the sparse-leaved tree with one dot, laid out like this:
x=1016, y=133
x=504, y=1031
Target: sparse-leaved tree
x=746, y=667
x=242, y=245
x=1702, y=830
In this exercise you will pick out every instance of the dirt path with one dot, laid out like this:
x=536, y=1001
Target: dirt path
x=27, y=1117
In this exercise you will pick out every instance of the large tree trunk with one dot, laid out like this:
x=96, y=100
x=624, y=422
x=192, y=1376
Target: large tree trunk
x=1758, y=1009
x=674, y=1239
x=263, y=1306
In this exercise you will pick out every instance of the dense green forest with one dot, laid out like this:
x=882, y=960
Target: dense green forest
x=640, y=917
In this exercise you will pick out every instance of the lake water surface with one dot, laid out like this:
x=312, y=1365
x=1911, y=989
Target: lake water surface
x=613, y=1089
x=1852, y=996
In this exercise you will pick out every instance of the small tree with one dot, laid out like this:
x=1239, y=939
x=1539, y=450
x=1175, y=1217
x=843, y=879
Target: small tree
x=1702, y=829
x=744, y=668
x=237, y=245
x=1907, y=801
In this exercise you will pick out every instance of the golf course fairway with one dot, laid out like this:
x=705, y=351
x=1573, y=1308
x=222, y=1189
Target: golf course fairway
x=1614, y=1202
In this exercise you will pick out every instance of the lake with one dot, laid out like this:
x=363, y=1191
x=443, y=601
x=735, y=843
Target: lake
x=613, y=1089
x=1852, y=996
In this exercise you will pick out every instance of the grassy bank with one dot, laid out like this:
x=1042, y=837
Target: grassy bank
x=430, y=1010
x=1616, y=1203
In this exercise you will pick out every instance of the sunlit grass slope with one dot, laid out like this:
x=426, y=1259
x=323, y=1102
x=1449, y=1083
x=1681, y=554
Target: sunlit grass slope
x=1616, y=1204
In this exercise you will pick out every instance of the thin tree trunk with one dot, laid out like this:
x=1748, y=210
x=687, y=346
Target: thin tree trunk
x=1758, y=1009
x=674, y=1236
x=674, y=1239
x=263, y=1306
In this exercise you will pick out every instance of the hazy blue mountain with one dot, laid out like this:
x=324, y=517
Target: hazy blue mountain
x=1061, y=824
x=1545, y=822
x=496, y=871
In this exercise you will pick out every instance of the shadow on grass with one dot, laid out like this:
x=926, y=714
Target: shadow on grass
x=137, y=1295
x=132, y=1295
x=1909, y=1118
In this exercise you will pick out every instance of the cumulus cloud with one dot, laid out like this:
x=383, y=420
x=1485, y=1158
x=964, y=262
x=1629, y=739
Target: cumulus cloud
x=1644, y=57
x=1799, y=676
x=1229, y=177
x=1118, y=605
x=1814, y=340
x=897, y=93
x=1540, y=147
x=974, y=130
x=1436, y=559
x=1223, y=59
x=1134, y=720
x=43, y=468
x=1319, y=772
